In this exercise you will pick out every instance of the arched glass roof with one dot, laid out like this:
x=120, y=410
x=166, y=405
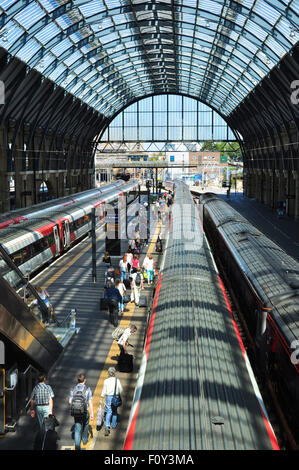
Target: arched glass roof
x=109, y=53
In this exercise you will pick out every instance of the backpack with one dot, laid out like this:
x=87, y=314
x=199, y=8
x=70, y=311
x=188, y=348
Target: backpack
x=138, y=280
x=109, y=282
x=79, y=403
x=117, y=333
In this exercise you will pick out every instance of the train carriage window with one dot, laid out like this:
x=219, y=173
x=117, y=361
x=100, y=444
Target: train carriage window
x=22, y=255
x=50, y=239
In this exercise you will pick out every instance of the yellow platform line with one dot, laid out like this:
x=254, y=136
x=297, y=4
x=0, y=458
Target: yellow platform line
x=114, y=350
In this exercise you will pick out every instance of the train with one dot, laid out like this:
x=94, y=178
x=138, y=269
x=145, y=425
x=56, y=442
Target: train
x=265, y=281
x=195, y=388
x=18, y=216
x=40, y=234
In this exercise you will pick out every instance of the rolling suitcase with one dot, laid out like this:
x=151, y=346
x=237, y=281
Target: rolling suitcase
x=143, y=301
x=103, y=304
x=127, y=284
x=125, y=363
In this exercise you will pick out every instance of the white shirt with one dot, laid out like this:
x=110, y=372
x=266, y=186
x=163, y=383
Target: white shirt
x=123, y=264
x=125, y=336
x=150, y=264
x=145, y=262
x=129, y=257
x=109, y=386
x=122, y=288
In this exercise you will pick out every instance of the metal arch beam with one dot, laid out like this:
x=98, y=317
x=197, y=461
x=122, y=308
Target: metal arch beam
x=15, y=78
x=255, y=18
x=79, y=136
x=129, y=66
x=281, y=78
x=55, y=123
x=258, y=62
x=243, y=125
x=260, y=97
x=260, y=22
x=69, y=5
x=273, y=91
x=29, y=95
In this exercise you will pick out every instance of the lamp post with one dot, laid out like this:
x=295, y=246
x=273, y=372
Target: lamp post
x=148, y=185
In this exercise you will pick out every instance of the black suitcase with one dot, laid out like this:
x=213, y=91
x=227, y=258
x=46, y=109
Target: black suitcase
x=103, y=304
x=47, y=437
x=125, y=363
x=127, y=284
x=143, y=301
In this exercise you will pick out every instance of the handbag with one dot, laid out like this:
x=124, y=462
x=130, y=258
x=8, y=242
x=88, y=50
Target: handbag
x=116, y=399
x=127, y=298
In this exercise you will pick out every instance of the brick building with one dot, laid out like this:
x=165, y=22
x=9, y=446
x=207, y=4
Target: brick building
x=210, y=164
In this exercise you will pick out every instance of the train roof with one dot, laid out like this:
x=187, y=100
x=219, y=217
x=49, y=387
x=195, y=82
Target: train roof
x=71, y=199
x=28, y=230
x=272, y=272
x=196, y=393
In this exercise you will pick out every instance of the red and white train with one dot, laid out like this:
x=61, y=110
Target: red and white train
x=36, y=235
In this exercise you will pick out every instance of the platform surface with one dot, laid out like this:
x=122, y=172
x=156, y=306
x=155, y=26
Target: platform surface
x=70, y=285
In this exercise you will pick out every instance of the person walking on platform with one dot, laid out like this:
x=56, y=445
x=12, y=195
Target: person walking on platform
x=122, y=290
x=113, y=296
x=135, y=263
x=79, y=400
x=111, y=388
x=129, y=256
x=42, y=397
x=107, y=259
x=123, y=266
x=136, y=286
x=150, y=269
x=110, y=275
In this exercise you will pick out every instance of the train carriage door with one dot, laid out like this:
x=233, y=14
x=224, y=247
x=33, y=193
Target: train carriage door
x=56, y=238
x=66, y=233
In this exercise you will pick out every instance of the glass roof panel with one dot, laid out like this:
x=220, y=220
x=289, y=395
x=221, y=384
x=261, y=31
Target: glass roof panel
x=224, y=47
x=29, y=15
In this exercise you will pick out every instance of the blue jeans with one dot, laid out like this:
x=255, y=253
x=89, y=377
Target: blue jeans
x=42, y=412
x=121, y=304
x=123, y=274
x=111, y=411
x=81, y=428
x=150, y=275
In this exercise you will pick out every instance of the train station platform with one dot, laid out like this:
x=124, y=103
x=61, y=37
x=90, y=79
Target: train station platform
x=284, y=231
x=91, y=350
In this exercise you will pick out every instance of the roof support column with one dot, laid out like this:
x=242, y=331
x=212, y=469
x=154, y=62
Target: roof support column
x=4, y=180
x=296, y=176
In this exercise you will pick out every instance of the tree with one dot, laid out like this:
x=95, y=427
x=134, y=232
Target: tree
x=232, y=149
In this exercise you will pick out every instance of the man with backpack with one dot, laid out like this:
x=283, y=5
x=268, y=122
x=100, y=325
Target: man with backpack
x=79, y=400
x=136, y=286
x=113, y=297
